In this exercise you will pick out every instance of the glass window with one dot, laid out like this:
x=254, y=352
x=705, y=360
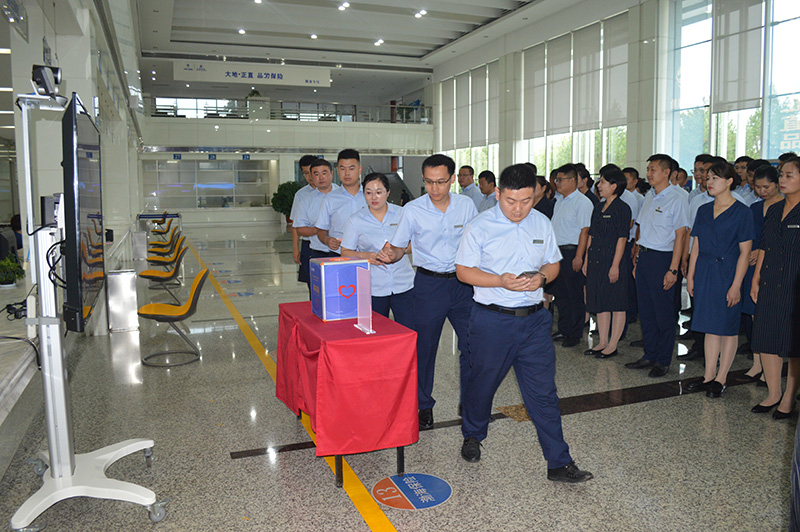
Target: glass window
x=738, y=133
x=693, y=80
x=616, y=145
x=559, y=150
x=783, y=128
x=785, y=10
x=784, y=58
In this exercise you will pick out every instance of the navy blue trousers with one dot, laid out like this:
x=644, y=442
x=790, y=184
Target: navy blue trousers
x=498, y=342
x=437, y=299
x=305, y=254
x=314, y=254
x=402, y=306
x=568, y=292
x=656, y=306
x=633, y=304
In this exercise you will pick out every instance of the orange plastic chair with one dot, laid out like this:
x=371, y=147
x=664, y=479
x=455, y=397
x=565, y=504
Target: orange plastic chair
x=168, y=313
x=169, y=247
x=166, y=261
x=162, y=231
x=173, y=235
x=163, y=279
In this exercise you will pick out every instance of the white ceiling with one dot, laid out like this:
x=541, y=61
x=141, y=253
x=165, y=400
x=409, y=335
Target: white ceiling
x=280, y=30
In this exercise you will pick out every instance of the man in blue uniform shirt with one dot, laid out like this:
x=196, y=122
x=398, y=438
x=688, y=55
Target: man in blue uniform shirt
x=486, y=182
x=466, y=179
x=508, y=253
x=301, y=250
x=663, y=221
x=572, y=215
x=337, y=207
x=433, y=224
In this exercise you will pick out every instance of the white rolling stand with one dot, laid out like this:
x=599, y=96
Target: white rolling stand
x=70, y=475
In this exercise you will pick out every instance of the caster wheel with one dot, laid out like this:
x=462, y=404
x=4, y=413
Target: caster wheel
x=148, y=457
x=157, y=514
x=39, y=467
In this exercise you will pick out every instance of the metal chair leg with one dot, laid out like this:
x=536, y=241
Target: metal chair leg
x=195, y=353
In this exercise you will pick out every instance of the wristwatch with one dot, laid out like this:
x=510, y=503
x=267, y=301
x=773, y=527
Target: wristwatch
x=544, y=278
x=673, y=272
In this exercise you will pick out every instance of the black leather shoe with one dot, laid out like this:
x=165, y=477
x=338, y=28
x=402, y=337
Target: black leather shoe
x=750, y=378
x=426, y=419
x=698, y=386
x=569, y=473
x=600, y=354
x=761, y=383
x=692, y=354
x=460, y=409
x=570, y=342
x=592, y=352
x=658, y=370
x=637, y=343
x=716, y=389
x=642, y=363
x=558, y=336
x=471, y=450
x=777, y=414
x=763, y=409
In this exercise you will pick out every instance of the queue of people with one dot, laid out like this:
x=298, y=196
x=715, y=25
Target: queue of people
x=494, y=256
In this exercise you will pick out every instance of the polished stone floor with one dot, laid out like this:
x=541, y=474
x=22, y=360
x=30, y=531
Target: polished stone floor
x=661, y=461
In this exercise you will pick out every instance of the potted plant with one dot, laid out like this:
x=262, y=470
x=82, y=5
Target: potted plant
x=284, y=197
x=10, y=271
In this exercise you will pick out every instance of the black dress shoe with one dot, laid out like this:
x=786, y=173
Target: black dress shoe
x=569, y=473
x=642, y=363
x=592, y=352
x=750, y=378
x=761, y=383
x=471, y=450
x=637, y=343
x=570, y=342
x=426, y=419
x=692, y=354
x=777, y=414
x=558, y=336
x=600, y=354
x=658, y=370
x=763, y=409
x=716, y=389
x=698, y=386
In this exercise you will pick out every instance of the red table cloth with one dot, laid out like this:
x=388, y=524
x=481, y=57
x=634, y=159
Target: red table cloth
x=359, y=391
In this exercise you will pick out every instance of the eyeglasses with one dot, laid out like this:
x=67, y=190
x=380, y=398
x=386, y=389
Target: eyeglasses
x=440, y=183
x=379, y=192
x=560, y=179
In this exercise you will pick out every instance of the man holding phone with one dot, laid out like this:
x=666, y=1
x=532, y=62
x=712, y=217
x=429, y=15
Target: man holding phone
x=508, y=253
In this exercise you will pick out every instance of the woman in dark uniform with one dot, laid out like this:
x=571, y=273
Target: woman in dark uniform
x=723, y=237
x=776, y=324
x=606, y=295
x=765, y=184
x=541, y=202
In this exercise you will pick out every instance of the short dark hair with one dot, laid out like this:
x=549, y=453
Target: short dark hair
x=516, y=177
x=789, y=155
x=766, y=171
x=568, y=168
x=321, y=162
x=683, y=170
x=468, y=167
x=487, y=175
x=704, y=158
x=616, y=179
x=306, y=160
x=743, y=159
x=348, y=154
x=642, y=186
x=753, y=165
x=583, y=173
x=439, y=160
x=631, y=170
x=542, y=182
x=718, y=160
x=532, y=167
x=673, y=165
x=608, y=168
x=725, y=170
x=664, y=160
x=375, y=176
x=16, y=223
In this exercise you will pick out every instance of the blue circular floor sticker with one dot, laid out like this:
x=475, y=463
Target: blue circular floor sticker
x=412, y=491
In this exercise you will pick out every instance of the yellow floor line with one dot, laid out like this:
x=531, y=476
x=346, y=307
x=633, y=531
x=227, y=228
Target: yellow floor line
x=358, y=493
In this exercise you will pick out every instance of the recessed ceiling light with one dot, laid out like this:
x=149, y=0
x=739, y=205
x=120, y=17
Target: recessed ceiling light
x=313, y=35
x=315, y=90
x=153, y=72
x=252, y=88
x=330, y=80
x=417, y=15
x=241, y=31
x=153, y=78
x=187, y=85
x=257, y=1
x=379, y=42
x=342, y=8
x=125, y=71
x=423, y=12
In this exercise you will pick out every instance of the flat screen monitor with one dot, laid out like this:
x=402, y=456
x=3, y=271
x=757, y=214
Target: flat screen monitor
x=83, y=215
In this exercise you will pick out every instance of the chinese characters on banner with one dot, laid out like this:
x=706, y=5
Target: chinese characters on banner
x=252, y=73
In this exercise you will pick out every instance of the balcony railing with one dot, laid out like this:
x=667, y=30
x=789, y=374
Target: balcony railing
x=266, y=109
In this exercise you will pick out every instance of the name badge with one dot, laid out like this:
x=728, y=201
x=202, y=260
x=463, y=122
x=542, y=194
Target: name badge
x=538, y=241
x=658, y=210
x=795, y=226
x=606, y=216
x=458, y=226
x=392, y=225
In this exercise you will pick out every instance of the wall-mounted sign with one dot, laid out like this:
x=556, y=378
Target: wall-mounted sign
x=176, y=156
x=251, y=73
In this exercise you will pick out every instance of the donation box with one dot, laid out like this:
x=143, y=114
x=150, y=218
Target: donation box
x=334, y=287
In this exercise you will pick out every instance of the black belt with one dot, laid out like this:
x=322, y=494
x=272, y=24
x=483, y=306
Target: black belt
x=642, y=249
x=514, y=311
x=568, y=246
x=445, y=275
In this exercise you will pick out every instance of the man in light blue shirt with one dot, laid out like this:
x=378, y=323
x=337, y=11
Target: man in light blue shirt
x=663, y=220
x=508, y=253
x=486, y=183
x=466, y=178
x=433, y=224
x=572, y=216
x=301, y=251
x=337, y=207
x=308, y=209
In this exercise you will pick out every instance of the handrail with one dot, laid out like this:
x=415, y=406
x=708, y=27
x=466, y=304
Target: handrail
x=266, y=109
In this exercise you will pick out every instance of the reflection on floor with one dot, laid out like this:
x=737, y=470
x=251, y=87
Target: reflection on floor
x=229, y=456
